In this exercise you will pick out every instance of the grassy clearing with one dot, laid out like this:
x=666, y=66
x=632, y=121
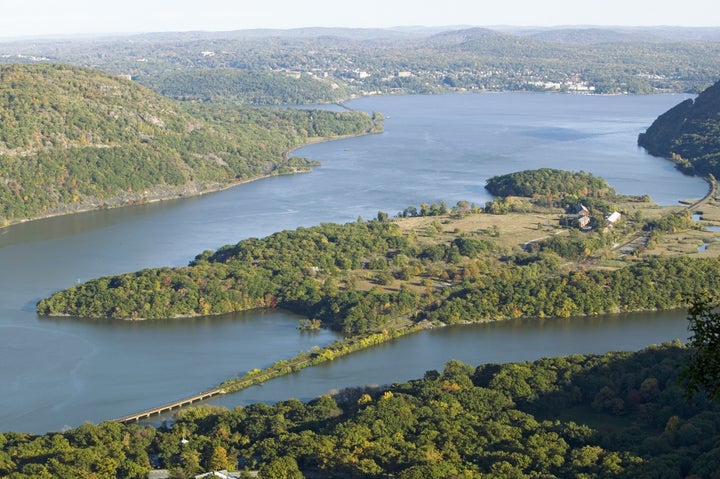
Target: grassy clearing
x=511, y=231
x=506, y=231
x=692, y=242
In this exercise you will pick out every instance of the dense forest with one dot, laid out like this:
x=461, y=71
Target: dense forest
x=73, y=138
x=689, y=134
x=550, y=184
x=618, y=415
x=315, y=271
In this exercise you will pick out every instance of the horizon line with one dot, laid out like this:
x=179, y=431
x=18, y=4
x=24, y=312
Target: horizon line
x=440, y=28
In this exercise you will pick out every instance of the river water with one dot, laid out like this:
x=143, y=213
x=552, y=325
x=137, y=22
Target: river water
x=57, y=373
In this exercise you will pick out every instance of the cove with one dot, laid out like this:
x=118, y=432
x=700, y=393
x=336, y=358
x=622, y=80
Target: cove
x=59, y=373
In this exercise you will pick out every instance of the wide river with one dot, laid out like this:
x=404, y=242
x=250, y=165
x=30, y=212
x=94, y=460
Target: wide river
x=57, y=373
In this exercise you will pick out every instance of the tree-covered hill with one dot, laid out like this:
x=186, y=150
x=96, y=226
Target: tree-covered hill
x=73, y=138
x=551, y=183
x=689, y=134
x=521, y=191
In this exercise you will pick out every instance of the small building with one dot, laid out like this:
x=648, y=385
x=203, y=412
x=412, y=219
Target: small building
x=579, y=217
x=221, y=474
x=581, y=210
x=612, y=218
x=583, y=221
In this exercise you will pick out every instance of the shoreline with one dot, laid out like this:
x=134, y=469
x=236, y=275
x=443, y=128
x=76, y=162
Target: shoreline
x=186, y=191
x=117, y=202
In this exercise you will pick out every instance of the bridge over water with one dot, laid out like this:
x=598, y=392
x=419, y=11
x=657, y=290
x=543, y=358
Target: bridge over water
x=170, y=406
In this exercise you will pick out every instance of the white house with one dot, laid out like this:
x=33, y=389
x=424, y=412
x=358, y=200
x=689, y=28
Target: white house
x=612, y=218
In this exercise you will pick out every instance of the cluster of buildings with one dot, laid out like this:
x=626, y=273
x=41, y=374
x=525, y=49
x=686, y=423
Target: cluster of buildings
x=582, y=219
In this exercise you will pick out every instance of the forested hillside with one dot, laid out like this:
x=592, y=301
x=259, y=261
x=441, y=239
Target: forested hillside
x=73, y=138
x=618, y=415
x=689, y=134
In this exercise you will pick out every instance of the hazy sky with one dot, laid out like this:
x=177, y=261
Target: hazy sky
x=49, y=17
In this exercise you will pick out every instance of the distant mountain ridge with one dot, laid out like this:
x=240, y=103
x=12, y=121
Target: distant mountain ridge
x=462, y=36
x=590, y=36
x=570, y=33
x=689, y=134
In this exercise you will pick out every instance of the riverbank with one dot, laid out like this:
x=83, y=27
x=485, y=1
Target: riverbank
x=168, y=193
x=162, y=193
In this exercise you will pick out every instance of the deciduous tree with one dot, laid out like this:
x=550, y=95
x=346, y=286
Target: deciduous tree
x=703, y=373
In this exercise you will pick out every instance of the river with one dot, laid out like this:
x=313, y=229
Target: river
x=58, y=373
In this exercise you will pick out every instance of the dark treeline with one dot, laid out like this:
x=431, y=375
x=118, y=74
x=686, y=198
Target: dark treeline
x=618, y=415
x=256, y=88
x=689, y=134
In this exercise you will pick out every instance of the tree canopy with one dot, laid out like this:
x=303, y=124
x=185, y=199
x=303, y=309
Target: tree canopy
x=549, y=183
x=702, y=375
x=364, y=277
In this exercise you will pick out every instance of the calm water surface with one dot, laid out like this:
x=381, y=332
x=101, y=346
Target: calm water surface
x=56, y=373
x=504, y=341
